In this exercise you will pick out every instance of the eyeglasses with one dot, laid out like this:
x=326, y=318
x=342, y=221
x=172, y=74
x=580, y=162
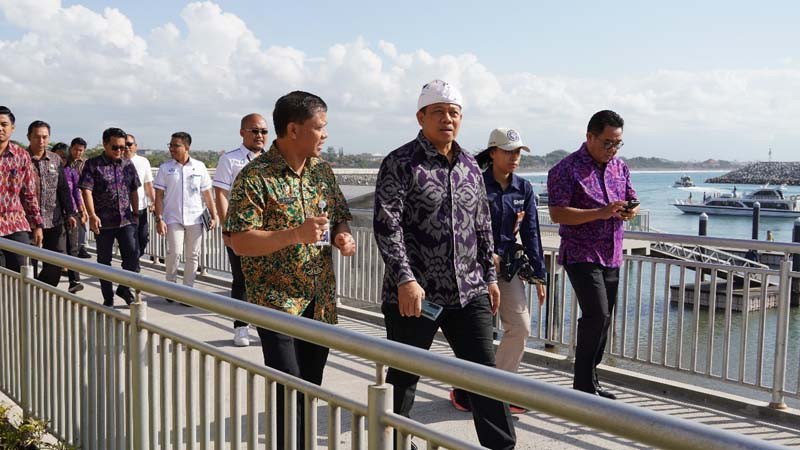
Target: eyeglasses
x=171, y=145
x=611, y=145
x=130, y=144
x=257, y=131
x=117, y=148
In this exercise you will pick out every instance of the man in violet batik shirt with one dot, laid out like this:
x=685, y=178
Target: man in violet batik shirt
x=588, y=191
x=434, y=231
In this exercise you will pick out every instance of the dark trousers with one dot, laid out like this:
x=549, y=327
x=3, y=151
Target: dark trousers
x=596, y=288
x=72, y=250
x=468, y=329
x=126, y=240
x=13, y=261
x=53, y=239
x=237, y=287
x=142, y=232
x=298, y=358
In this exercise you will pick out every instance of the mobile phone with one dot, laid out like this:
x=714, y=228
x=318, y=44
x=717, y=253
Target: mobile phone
x=631, y=204
x=431, y=310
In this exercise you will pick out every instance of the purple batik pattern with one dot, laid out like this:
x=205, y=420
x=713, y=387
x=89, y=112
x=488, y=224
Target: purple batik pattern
x=432, y=224
x=19, y=205
x=578, y=182
x=111, y=183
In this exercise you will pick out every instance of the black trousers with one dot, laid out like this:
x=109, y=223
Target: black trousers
x=13, y=261
x=72, y=250
x=596, y=288
x=468, y=329
x=142, y=232
x=53, y=239
x=126, y=240
x=237, y=286
x=298, y=358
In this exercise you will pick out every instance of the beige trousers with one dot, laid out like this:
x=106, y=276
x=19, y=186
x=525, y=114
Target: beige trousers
x=516, y=321
x=184, y=239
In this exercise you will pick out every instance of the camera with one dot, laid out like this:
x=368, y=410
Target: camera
x=516, y=262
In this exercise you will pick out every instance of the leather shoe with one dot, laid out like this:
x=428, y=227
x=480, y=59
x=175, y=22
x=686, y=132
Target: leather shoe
x=605, y=394
x=82, y=253
x=126, y=295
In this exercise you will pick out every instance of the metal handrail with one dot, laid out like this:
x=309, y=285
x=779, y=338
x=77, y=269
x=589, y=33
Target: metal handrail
x=614, y=417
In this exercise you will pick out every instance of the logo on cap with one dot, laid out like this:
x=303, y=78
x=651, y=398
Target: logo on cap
x=512, y=136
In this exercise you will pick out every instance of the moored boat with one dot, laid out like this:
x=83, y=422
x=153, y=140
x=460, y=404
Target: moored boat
x=684, y=181
x=772, y=201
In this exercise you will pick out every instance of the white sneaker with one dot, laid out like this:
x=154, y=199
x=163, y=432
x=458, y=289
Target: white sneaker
x=241, y=338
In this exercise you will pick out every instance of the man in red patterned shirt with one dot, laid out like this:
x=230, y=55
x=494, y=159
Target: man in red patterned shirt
x=19, y=208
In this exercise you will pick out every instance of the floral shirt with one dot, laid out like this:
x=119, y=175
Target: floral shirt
x=75, y=192
x=432, y=224
x=111, y=183
x=53, y=190
x=269, y=195
x=578, y=182
x=19, y=207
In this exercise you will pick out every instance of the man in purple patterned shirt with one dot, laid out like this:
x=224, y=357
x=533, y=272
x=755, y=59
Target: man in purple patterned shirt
x=588, y=195
x=434, y=231
x=109, y=185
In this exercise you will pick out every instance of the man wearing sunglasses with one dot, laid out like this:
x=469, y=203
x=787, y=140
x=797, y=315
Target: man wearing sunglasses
x=109, y=185
x=589, y=192
x=253, y=131
x=146, y=194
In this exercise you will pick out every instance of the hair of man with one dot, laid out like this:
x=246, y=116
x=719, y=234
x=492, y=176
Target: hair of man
x=38, y=124
x=604, y=118
x=185, y=137
x=78, y=141
x=295, y=107
x=59, y=146
x=113, y=132
x=4, y=111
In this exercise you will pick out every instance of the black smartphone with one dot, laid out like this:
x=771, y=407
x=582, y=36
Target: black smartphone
x=631, y=204
x=431, y=310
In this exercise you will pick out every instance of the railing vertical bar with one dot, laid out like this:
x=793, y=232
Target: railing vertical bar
x=781, y=335
x=61, y=366
x=177, y=404
x=38, y=366
x=88, y=371
x=624, y=310
x=726, y=341
x=236, y=417
x=638, y=310
x=156, y=409
x=69, y=372
x=164, y=402
x=310, y=423
x=203, y=398
x=270, y=416
x=122, y=385
x=712, y=310
x=698, y=290
x=101, y=386
x=335, y=426
x=745, y=318
x=252, y=412
x=289, y=413
x=681, y=314
x=190, y=388
x=358, y=434
x=111, y=382
x=665, y=315
x=219, y=420
x=762, y=328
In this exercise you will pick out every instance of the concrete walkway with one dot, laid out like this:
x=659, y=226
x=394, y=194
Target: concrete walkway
x=350, y=376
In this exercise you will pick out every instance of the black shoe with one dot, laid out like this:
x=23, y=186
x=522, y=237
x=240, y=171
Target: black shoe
x=75, y=287
x=169, y=300
x=126, y=295
x=109, y=303
x=605, y=394
x=82, y=253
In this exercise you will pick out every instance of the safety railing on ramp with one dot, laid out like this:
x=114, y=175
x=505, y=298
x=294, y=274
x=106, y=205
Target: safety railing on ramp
x=108, y=380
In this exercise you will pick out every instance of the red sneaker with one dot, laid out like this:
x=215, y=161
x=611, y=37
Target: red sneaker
x=517, y=409
x=455, y=403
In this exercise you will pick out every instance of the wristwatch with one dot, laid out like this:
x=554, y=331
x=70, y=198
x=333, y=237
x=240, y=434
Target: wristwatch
x=158, y=219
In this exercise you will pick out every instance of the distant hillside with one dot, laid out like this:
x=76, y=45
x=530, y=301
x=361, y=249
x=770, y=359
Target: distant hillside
x=763, y=173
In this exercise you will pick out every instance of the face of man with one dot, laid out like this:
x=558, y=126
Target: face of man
x=114, y=147
x=39, y=138
x=179, y=150
x=6, y=128
x=254, y=133
x=130, y=147
x=440, y=123
x=311, y=134
x=76, y=151
x=604, y=146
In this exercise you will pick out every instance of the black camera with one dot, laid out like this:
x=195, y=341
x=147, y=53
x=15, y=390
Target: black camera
x=516, y=262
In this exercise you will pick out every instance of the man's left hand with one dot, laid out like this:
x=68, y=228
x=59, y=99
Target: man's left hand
x=494, y=297
x=71, y=222
x=345, y=243
x=213, y=223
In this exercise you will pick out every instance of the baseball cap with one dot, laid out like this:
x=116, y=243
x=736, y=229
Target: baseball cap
x=438, y=91
x=507, y=139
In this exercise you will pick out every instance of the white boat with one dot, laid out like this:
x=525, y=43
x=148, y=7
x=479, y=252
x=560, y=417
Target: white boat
x=772, y=201
x=684, y=181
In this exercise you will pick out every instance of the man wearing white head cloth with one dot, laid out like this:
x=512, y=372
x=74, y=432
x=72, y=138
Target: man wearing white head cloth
x=433, y=228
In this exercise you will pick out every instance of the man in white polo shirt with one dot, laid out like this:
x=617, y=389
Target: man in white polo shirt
x=146, y=194
x=182, y=185
x=253, y=130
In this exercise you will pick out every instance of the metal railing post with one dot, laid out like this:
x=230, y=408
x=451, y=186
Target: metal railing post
x=25, y=354
x=779, y=368
x=139, y=388
x=379, y=402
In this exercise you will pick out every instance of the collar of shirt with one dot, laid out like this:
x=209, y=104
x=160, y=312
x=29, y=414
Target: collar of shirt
x=45, y=156
x=107, y=160
x=12, y=150
x=492, y=184
x=249, y=154
x=432, y=152
x=278, y=163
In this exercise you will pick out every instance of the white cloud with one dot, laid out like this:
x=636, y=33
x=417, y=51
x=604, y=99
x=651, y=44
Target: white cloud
x=83, y=70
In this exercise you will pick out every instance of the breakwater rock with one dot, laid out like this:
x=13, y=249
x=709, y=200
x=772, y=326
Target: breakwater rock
x=763, y=173
x=363, y=179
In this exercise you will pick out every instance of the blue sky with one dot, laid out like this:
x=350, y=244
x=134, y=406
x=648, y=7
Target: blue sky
x=693, y=80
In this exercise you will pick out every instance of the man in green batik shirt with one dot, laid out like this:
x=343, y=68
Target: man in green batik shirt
x=285, y=212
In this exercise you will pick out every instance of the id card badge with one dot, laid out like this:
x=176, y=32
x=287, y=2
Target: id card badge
x=430, y=310
x=326, y=238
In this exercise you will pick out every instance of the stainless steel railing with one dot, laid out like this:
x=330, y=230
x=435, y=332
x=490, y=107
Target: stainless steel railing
x=108, y=380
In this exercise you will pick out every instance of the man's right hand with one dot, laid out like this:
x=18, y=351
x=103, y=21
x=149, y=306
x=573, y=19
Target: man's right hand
x=613, y=209
x=313, y=229
x=94, y=224
x=38, y=237
x=161, y=228
x=409, y=299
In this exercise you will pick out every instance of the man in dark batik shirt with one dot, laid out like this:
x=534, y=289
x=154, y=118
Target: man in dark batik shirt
x=53, y=195
x=434, y=231
x=109, y=185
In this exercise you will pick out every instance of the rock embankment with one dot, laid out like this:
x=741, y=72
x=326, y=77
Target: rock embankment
x=356, y=179
x=763, y=173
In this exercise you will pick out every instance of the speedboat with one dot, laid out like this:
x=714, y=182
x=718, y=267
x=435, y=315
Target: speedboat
x=684, y=181
x=773, y=203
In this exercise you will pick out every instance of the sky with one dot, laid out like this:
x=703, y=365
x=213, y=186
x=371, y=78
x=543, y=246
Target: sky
x=693, y=80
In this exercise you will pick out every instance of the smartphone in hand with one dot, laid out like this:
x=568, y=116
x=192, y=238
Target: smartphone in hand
x=431, y=310
x=631, y=204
